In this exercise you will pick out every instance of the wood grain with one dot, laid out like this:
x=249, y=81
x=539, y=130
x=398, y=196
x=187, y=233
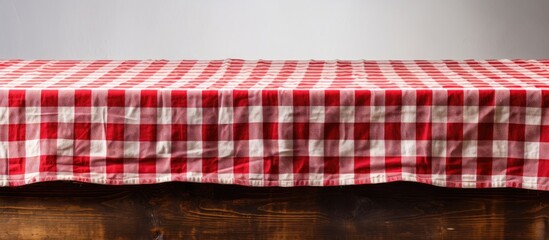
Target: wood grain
x=68, y=210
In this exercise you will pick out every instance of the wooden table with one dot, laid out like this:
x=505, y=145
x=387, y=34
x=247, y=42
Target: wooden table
x=68, y=210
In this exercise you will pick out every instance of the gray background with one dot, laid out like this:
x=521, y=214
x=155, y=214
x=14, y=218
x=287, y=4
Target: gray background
x=274, y=29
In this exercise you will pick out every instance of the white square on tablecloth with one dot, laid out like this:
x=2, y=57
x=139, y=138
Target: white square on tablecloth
x=132, y=115
x=347, y=114
x=346, y=148
x=225, y=149
x=501, y=114
x=531, y=150
x=225, y=115
x=163, y=149
x=316, y=148
x=408, y=148
x=131, y=149
x=377, y=114
x=285, y=114
x=164, y=115
x=469, y=149
x=65, y=114
x=256, y=148
x=285, y=148
x=65, y=147
x=377, y=148
x=98, y=114
x=499, y=149
x=255, y=114
x=316, y=114
x=4, y=146
x=408, y=114
x=98, y=148
x=194, y=149
x=439, y=114
x=32, y=148
x=438, y=148
x=4, y=115
x=470, y=114
x=533, y=115
x=32, y=114
x=194, y=115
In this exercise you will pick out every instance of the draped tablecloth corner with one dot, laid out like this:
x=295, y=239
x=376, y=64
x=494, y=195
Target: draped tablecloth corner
x=470, y=123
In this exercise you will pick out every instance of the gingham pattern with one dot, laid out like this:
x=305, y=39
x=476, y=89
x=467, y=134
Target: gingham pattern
x=276, y=123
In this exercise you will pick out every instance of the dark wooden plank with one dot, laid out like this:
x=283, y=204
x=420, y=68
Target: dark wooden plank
x=67, y=210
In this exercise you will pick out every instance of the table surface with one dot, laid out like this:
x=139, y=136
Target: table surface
x=265, y=74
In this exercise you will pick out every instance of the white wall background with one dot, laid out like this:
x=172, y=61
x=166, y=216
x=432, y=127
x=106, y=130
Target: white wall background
x=274, y=29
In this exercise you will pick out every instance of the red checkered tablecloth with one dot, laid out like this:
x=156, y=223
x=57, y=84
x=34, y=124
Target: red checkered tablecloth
x=276, y=123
